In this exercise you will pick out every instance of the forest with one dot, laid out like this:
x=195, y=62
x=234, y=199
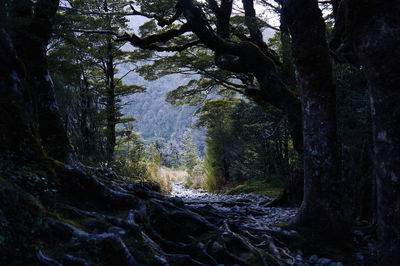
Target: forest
x=199, y=132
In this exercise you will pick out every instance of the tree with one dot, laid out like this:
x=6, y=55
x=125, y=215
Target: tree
x=355, y=135
x=244, y=142
x=190, y=154
x=367, y=34
x=215, y=116
x=32, y=23
x=246, y=59
x=172, y=157
x=130, y=153
x=322, y=206
x=98, y=57
x=18, y=134
x=263, y=148
x=75, y=89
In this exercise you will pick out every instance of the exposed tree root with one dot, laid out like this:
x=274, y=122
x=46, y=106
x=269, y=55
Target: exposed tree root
x=102, y=221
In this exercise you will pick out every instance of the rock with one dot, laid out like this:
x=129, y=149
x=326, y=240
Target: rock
x=367, y=238
x=116, y=230
x=313, y=259
x=300, y=252
x=285, y=232
x=359, y=256
x=358, y=233
x=324, y=261
x=371, y=248
x=216, y=247
x=200, y=245
x=299, y=258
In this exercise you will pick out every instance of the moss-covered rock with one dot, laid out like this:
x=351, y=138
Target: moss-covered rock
x=22, y=220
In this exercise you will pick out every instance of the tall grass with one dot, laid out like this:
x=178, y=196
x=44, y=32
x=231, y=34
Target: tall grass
x=157, y=175
x=165, y=176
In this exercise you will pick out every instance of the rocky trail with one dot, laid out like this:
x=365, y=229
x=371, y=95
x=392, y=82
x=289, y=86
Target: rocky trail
x=247, y=210
x=248, y=217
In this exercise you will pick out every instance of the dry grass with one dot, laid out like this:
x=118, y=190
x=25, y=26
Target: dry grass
x=165, y=176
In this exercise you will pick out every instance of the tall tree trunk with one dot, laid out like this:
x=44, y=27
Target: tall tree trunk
x=111, y=110
x=110, y=105
x=85, y=143
x=18, y=137
x=380, y=58
x=378, y=52
x=322, y=207
x=30, y=44
x=367, y=34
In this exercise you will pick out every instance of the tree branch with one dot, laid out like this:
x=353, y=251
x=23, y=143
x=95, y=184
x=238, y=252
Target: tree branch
x=149, y=43
x=160, y=20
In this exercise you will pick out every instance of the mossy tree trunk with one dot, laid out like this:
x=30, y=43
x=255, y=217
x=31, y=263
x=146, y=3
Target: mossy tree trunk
x=322, y=208
x=30, y=26
x=367, y=34
x=380, y=59
x=85, y=146
x=17, y=134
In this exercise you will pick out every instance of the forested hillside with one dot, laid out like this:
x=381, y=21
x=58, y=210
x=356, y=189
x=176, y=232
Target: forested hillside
x=156, y=118
x=181, y=132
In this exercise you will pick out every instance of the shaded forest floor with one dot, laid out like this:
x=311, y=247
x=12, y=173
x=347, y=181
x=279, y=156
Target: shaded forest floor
x=88, y=216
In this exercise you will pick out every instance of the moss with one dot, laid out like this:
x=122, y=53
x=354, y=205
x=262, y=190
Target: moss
x=22, y=222
x=59, y=218
x=143, y=251
x=280, y=224
x=257, y=187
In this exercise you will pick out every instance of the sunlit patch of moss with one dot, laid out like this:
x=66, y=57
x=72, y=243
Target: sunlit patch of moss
x=59, y=218
x=258, y=187
x=282, y=224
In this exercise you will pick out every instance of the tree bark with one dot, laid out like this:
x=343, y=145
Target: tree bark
x=30, y=45
x=17, y=136
x=367, y=34
x=28, y=104
x=322, y=207
x=111, y=110
x=110, y=105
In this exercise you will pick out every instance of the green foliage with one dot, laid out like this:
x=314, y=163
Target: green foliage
x=244, y=142
x=84, y=70
x=130, y=154
x=190, y=154
x=163, y=8
x=213, y=181
x=171, y=158
x=156, y=154
x=148, y=27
